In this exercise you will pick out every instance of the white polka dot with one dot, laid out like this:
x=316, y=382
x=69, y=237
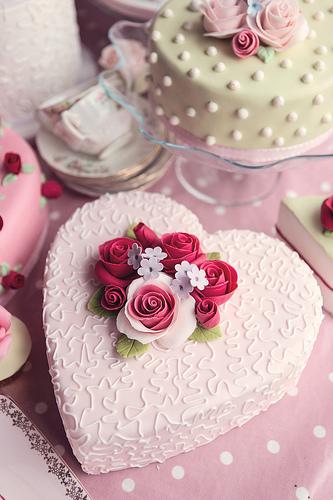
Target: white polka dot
x=293, y=391
x=167, y=81
x=156, y=35
x=27, y=367
x=291, y=194
x=302, y=493
x=219, y=67
x=258, y=76
x=41, y=408
x=193, y=73
x=178, y=472
x=191, y=112
x=60, y=450
x=153, y=58
x=233, y=85
x=184, y=56
x=210, y=140
x=326, y=187
x=319, y=431
x=55, y=215
x=226, y=458
x=220, y=210
x=278, y=101
x=273, y=446
x=237, y=135
x=128, y=485
x=179, y=38
x=330, y=377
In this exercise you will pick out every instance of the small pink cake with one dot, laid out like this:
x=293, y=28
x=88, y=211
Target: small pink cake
x=23, y=212
x=306, y=223
x=178, y=346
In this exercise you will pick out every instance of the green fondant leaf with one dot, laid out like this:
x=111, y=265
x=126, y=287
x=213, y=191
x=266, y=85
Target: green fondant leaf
x=94, y=305
x=213, y=256
x=8, y=179
x=42, y=202
x=265, y=54
x=130, y=233
x=201, y=334
x=4, y=269
x=328, y=234
x=127, y=348
x=28, y=169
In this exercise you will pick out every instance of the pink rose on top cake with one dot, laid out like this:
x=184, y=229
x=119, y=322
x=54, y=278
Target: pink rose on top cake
x=224, y=18
x=279, y=24
x=5, y=336
x=161, y=289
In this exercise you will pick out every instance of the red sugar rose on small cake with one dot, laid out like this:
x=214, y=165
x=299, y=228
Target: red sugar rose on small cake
x=161, y=289
x=326, y=214
x=12, y=163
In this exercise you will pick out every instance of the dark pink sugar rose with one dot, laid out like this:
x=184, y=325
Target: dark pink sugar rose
x=114, y=298
x=179, y=247
x=12, y=163
x=153, y=307
x=207, y=313
x=146, y=236
x=326, y=214
x=222, y=279
x=245, y=44
x=112, y=267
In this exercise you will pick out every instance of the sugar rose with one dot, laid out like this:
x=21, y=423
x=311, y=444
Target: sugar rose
x=179, y=247
x=326, y=215
x=222, y=282
x=224, y=18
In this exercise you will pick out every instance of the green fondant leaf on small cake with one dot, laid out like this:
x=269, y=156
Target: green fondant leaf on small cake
x=27, y=168
x=328, y=234
x=4, y=269
x=8, y=179
x=94, y=305
x=130, y=233
x=265, y=54
x=128, y=348
x=201, y=334
x=213, y=256
x=42, y=202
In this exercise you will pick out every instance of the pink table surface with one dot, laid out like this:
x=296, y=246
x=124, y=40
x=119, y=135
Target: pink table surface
x=283, y=454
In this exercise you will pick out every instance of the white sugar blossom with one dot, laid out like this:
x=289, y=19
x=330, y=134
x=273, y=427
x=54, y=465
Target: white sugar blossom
x=197, y=277
x=182, y=270
x=156, y=253
x=150, y=268
x=134, y=256
x=181, y=287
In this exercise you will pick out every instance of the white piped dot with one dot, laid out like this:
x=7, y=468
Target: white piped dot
x=60, y=450
x=128, y=485
x=327, y=118
x=321, y=50
x=293, y=391
x=179, y=39
x=237, y=135
x=319, y=431
x=301, y=132
x=167, y=81
x=156, y=35
x=193, y=73
x=194, y=5
x=243, y=113
x=318, y=99
x=266, y=132
x=184, y=56
x=302, y=493
x=258, y=76
x=219, y=67
x=279, y=142
x=273, y=446
x=178, y=472
x=174, y=120
x=319, y=65
x=326, y=187
x=212, y=107
x=278, y=101
x=319, y=15
x=292, y=117
x=210, y=140
x=211, y=51
x=187, y=26
x=307, y=78
x=153, y=58
x=191, y=112
x=159, y=111
x=286, y=63
x=226, y=458
x=41, y=408
x=233, y=85
x=168, y=13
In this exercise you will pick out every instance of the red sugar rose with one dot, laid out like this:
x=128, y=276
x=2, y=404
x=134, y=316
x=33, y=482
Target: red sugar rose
x=13, y=280
x=245, y=44
x=146, y=236
x=222, y=282
x=179, y=247
x=207, y=313
x=12, y=163
x=51, y=189
x=1, y=223
x=114, y=298
x=326, y=215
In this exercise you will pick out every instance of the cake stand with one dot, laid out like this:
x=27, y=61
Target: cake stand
x=215, y=175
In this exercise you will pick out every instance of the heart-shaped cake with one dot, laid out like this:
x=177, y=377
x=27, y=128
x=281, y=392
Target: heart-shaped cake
x=121, y=413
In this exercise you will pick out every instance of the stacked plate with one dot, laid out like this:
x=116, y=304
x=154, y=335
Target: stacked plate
x=131, y=163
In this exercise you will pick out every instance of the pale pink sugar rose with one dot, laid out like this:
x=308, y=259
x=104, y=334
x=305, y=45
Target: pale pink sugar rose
x=224, y=18
x=154, y=313
x=5, y=336
x=280, y=24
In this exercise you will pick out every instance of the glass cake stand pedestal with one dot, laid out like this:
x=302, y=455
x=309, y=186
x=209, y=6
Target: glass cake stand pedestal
x=215, y=175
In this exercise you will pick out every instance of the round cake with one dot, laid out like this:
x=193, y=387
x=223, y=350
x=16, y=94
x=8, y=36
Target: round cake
x=240, y=88
x=23, y=212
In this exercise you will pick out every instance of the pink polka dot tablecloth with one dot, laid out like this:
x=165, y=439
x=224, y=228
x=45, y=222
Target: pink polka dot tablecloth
x=285, y=453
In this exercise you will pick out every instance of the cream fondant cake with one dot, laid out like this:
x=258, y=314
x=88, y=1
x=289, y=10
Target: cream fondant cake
x=120, y=411
x=245, y=75
x=23, y=212
x=301, y=224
